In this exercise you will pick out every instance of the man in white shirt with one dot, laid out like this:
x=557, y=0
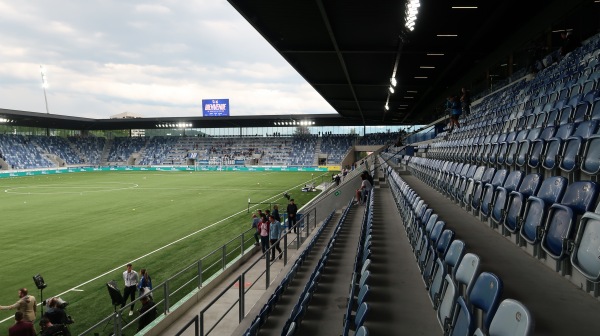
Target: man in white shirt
x=131, y=280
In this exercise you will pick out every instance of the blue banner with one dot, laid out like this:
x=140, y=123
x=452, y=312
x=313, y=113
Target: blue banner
x=215, y=107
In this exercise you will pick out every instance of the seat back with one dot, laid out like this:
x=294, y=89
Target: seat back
x=464, y=324
x=453, y=257
x=466, y=273
x=490, y=191
x=361, y=315
x=478, y=192
x=512, y=183
x=586, y=254
x=362, y=331
x=570, y=153
x=590, y=163
x=446, y=308
x=443, y=243
x=485, y=296
x=512, y=318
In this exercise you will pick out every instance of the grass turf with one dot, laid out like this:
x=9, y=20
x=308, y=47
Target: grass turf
x=72, y=228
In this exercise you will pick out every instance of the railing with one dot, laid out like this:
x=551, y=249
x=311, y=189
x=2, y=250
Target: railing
x=169, y=294
x=290, y=240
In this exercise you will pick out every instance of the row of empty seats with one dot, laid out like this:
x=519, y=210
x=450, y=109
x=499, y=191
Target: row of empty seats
x=358, y=305
x=467, y=301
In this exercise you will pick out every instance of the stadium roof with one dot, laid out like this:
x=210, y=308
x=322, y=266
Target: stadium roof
x=348, y=50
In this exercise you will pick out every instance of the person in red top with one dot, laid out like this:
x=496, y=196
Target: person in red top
x=21, y=328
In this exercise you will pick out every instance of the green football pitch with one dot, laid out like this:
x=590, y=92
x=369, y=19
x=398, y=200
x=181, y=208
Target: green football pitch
x=78, y=230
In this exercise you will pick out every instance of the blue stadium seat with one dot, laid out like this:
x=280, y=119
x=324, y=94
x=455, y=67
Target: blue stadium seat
x=512, y=183
x=485, y=296
x=586, y=252
x=479, y=186
x=578, y=198
x=489, y=192
x=464, y=323
x=590, y=158
x=362, y=331
x=438, y=252
x=536, y=207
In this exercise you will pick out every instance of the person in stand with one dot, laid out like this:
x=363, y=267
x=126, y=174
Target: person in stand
x=465, y=101
x=338, y=179
x=292, y=210
x=130, y=277
x=263, y=229
x=453, y=106
x=276, y=212
x=274, y=235
x=145, y=283
x=55, y=313
x=147, y=313
x=255, y=221
x=25, y=305
x=21, y=327
x=365, y=188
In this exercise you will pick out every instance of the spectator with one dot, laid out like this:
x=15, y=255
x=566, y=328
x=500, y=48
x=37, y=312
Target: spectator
x=145, y=283
x=365, y=188
x=274, y=235
x=276, y=212
x=453, y=106
x=26, y=305
x=569, y=43
x=130, y=277
x=147, y=313
x=465, y=101
x=255, y=221
x=263, y=229
x=292, y=210
x=21, y=327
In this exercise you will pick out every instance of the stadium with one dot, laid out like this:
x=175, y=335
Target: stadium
x=454, y=191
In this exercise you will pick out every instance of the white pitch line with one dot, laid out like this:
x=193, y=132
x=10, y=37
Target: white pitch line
x=76, y=288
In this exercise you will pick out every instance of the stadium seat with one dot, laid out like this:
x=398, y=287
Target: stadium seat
x=512, y=183
x=586, y=252
x=464, y=323
x=466, y=273
x=512, y=318
x=485, y=296
x=590, y=162
x=511, y=218
x=489, y=192
x=537, y=206
x=479, y=186
x=578, y=198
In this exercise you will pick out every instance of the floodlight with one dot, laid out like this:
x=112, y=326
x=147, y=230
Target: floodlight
x=393, y=81
x=391, y=89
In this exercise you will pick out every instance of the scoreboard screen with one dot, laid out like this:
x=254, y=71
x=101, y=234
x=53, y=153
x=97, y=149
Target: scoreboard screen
x=215, y=107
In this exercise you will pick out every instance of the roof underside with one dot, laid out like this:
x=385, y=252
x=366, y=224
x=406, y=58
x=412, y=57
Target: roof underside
x=348, y=50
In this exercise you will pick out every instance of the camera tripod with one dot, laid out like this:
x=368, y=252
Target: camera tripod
x=112, y=321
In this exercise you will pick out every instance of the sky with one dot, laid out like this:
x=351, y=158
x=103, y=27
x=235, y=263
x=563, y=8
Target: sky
x=153, y=58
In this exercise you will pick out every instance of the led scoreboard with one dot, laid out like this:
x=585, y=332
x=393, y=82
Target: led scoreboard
x=215, y=107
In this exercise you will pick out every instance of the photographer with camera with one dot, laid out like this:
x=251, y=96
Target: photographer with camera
x=56, y=311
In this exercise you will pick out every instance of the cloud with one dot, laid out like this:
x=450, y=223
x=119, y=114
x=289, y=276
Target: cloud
x=159, y=58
